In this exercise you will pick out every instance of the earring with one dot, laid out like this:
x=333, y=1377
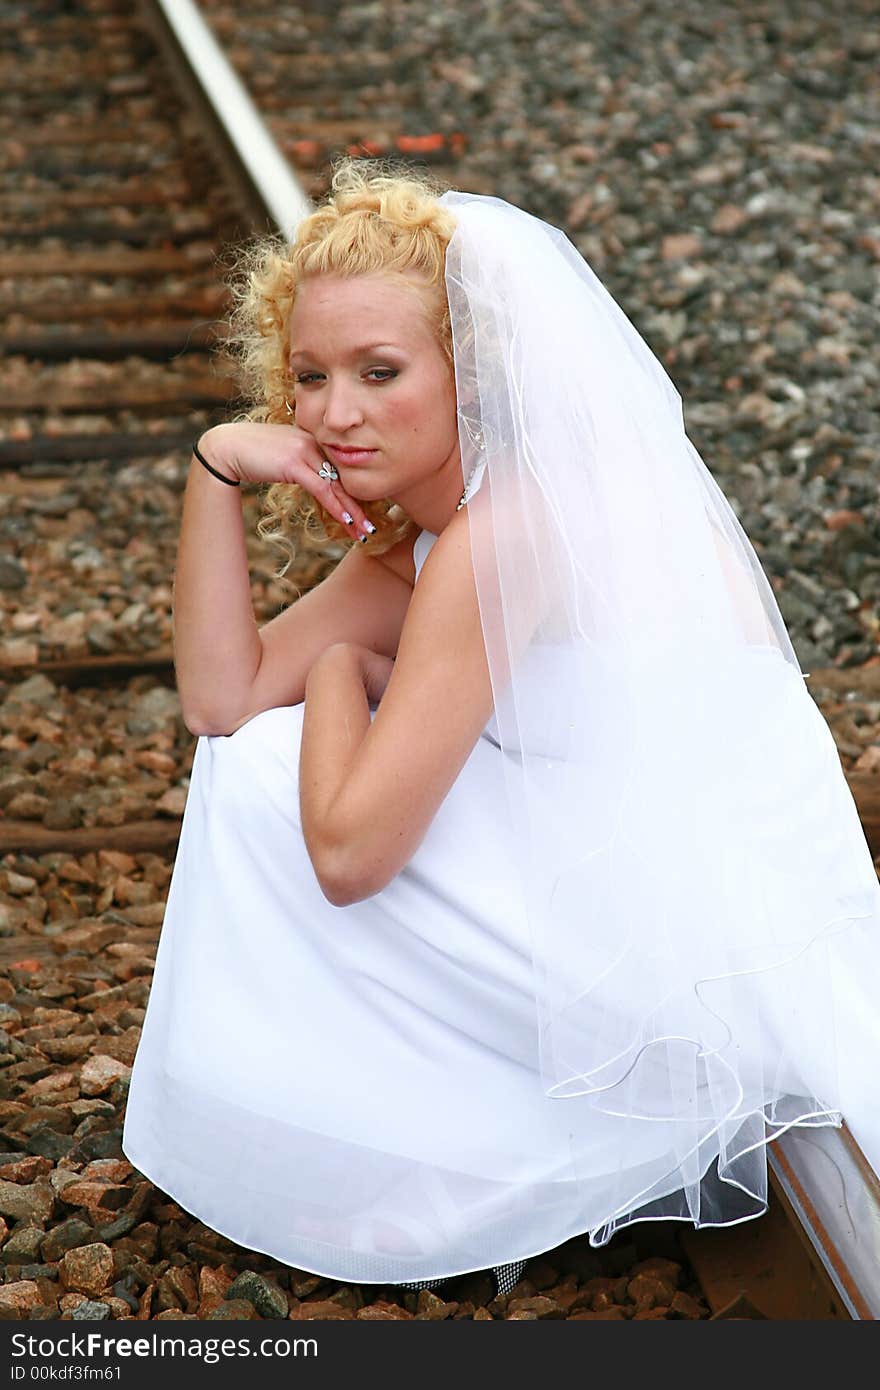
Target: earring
x=288, y=406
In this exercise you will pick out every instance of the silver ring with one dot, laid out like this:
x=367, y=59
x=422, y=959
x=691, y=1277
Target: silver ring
x=327, y=471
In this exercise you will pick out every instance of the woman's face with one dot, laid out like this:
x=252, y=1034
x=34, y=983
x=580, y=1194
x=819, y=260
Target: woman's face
x=369, y=372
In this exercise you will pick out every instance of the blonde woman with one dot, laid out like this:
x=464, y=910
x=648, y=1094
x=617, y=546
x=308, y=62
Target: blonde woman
x=484, y=931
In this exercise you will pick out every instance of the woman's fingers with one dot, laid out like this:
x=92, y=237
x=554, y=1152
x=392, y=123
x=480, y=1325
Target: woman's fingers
x=348, y=512
x=328, y=490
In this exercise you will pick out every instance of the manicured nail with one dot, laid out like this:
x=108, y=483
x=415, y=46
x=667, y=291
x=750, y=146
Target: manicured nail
x=347, y=518
x=362, y=539
x=368, y=526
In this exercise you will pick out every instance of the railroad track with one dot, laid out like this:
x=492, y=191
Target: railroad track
x=121, y=183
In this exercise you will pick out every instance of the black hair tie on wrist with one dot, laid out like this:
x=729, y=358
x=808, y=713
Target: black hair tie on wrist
x=233, y=482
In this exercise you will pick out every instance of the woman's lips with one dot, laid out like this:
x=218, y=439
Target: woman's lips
x=349, y=455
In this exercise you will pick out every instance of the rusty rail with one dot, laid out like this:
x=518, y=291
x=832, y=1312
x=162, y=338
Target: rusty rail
x=834, y=1193
x=815, y=1255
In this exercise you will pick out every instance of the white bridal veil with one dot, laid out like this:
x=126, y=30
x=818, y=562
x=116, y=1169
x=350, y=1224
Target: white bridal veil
x=687, y=841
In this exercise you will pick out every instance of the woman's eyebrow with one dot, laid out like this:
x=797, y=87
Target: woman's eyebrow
x=355, y=352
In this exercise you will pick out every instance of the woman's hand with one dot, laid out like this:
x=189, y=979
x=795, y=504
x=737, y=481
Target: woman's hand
x=261, y=453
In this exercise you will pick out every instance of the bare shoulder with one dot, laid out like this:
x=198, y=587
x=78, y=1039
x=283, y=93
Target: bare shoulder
x=446, y=591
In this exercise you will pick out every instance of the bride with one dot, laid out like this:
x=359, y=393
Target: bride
x=518, y=870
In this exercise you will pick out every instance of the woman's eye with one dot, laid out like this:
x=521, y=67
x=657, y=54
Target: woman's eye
x=383, y=373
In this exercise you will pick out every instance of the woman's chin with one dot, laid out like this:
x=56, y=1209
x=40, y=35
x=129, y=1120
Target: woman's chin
x=361, y=487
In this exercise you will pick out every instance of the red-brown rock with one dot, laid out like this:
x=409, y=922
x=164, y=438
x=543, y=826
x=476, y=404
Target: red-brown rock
x=323, y=1309
x=214, y=1281
x=95, y=1195
x=658, y=1264
x=28, y=1169
x=380, y=1311
x=688, y=1307
x=27, y=1201
x=649, y=1290
x=540, y=1306
x=87, y=1268
x=99, y=1073
x=17, y=1299
x=110, y=1169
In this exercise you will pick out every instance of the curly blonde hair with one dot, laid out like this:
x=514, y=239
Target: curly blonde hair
x=379, y=216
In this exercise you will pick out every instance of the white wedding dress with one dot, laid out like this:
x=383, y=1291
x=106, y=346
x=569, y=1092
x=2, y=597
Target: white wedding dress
x=355, y=1090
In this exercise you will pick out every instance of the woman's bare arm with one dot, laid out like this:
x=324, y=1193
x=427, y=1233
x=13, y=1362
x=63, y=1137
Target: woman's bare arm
x=370, y=790
x=217, y=648
x=335, y=724
x=223, y=675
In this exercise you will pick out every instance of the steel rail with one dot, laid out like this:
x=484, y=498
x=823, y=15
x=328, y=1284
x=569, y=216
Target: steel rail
x=834, y=1194
x=267, y=184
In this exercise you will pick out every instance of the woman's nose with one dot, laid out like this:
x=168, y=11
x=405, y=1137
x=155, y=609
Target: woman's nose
x=341, y=409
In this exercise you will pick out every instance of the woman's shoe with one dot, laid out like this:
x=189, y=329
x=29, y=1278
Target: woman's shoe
x=506, y=1276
